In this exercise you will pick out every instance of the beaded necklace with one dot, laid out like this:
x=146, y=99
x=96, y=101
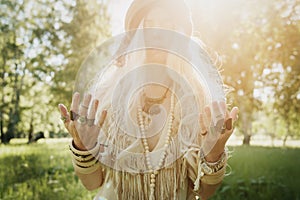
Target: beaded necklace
x=154, y=171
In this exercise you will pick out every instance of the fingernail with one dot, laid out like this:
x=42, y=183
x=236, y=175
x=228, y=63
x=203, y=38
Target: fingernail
x=60, y=106
x=229, y=124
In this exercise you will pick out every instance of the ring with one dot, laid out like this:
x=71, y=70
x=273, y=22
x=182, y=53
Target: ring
x=73, y=115
x=90, y=122
x=223, y=130
x=82, y=120
x=220, y=115
x=64, y=118
x=86, y=107
x=203, y=134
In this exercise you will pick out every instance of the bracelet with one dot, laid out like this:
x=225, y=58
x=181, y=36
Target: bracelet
x=85, y=162
x=86, y=170
x=212, y=167
x=212, y=179
x=84, y=154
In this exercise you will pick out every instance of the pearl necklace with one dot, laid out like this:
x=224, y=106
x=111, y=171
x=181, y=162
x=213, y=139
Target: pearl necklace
x=154, y=171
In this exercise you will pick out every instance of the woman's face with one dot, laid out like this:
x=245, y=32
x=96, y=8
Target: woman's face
x=162, y=19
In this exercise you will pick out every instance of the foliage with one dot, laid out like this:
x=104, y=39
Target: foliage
x=42, y=44
x=88, y=28
x=29, y=41
x=259, y=45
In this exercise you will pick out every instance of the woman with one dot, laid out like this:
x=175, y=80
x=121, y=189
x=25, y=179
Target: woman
x=152, y=149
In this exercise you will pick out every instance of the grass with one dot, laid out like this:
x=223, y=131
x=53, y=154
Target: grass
x=44, y=171
x=262, y=173
x=40, y=172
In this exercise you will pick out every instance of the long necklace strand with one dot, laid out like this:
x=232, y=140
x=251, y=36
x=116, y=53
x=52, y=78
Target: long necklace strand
x=154, y=171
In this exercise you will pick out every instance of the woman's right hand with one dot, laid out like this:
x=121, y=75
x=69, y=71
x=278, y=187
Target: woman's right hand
x=80, y=121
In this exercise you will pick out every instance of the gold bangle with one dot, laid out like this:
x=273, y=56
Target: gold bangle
x=87, y=170
x=82, y=158
x=84, y=153
x=85, y=164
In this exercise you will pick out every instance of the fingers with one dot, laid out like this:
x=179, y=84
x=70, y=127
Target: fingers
x=224, y=110
x=229, y=124
x=102, y=118
x=84, y=106
x=233, y=116
x=234, y=113
x=202, y=125
x=64, y=114
x=217, y=111
x=207, y=117
x=75, y=102
x=92, y=113
x=93, y=110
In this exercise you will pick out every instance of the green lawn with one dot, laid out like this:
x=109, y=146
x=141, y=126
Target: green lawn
x=44, y=171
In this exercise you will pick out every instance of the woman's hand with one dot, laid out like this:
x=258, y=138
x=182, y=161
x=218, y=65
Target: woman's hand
x=216, y=135
x=80, y=121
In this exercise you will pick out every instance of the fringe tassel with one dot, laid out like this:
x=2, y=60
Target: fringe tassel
x=199, y=175
x=169, y=181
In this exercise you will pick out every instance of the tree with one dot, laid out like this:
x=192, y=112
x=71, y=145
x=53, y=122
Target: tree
x=28, y=43
x=42, y=45
x=256, y=38
x=87, y=29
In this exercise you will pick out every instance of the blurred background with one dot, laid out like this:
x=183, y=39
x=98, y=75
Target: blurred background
x=43, y=44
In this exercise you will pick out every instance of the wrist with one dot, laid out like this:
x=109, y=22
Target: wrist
x=214, y=163
x=78, y=145
x=214, y=156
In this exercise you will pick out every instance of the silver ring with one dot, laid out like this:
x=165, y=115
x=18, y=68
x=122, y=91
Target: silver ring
x=90, y=122
x=82, y=120
x=86, y=107
x=220, y=115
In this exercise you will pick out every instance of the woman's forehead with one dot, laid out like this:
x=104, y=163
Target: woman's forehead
x=157, y=13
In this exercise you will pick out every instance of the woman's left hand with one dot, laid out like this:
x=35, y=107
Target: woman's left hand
x=215, y=135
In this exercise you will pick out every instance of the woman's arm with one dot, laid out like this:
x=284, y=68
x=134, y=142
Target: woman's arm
x=80, y=123
x=207, y=190
x=205, y=185
x=91, y=181
x=209, y=183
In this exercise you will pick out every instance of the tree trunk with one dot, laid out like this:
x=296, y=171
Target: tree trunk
x=246, y=140
x=30, y=132
x=287, y=134
x=1, y=129
x=2, y=97
x=284, y=140
x=246, y=128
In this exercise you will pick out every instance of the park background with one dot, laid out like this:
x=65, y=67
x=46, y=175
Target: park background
x=43, y=44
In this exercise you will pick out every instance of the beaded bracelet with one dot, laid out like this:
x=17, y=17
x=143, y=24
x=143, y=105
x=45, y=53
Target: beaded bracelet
x=212, y=167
